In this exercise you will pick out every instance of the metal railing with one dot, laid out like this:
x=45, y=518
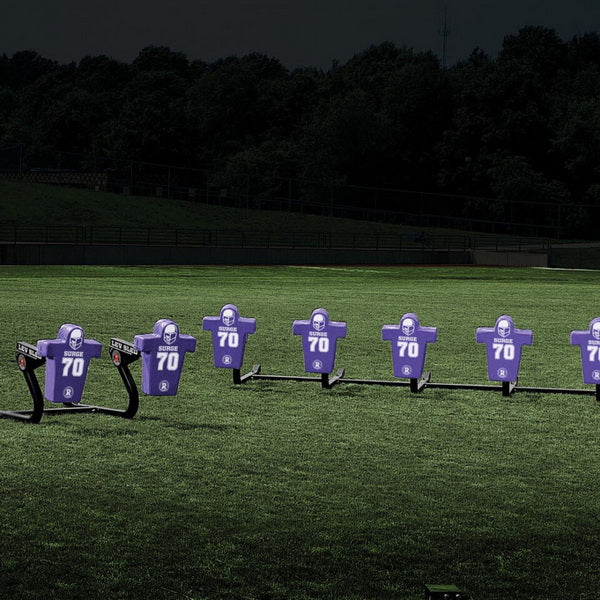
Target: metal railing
x=289, y=194
x=241, y=238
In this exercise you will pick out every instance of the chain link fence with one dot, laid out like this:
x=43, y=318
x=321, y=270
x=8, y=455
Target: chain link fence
x=258, y=191
x=242, y=238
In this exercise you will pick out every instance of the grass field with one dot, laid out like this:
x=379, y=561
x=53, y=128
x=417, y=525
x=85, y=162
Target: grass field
x=283, y=490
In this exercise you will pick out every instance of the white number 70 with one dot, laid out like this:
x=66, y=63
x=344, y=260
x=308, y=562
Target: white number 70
x=171, y=358
x=75, y=365
x=506, y=351
x=412, y=347
x=232, y=336
x=594, y=355
x=320, y=344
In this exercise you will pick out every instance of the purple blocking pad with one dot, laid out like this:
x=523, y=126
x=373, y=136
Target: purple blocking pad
x=589, y=341
x=409, y=344
x=67, y=361
x=319, y=340
x=229, y=335
x=163, y=352
x=504, y=344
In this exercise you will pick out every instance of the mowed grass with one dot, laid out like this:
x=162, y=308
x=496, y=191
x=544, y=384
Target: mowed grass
x=285, y=490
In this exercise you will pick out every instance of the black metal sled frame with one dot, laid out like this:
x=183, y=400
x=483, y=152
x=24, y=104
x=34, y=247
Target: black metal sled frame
x=122, y=354
x=418, y=385
x=326, y=380
x=577, y=392
x=510, y=387
x=507, y=387
x=415, y=385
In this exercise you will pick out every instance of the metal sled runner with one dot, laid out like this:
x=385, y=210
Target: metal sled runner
x=327, y=382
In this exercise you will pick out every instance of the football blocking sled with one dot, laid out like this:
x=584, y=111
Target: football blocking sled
x=68, y=356
x=229, y=336
x=504, y=345
x=503, y=350
x=163, y=352
x=409, y=342
x=409, y=346
x=589, y=342
x=67, y=359
x=319, y=341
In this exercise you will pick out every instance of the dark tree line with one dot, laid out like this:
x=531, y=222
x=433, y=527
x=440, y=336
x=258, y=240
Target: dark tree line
x=522, y=126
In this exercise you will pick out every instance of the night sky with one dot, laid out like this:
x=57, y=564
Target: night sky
x=309, y=33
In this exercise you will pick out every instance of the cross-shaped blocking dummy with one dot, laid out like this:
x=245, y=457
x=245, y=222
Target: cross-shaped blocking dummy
x=504, y=344
x=589, y=341
x=409, y=344
x=229, y=335
x=67, y=361
x=319, y=340
x=163, y=352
